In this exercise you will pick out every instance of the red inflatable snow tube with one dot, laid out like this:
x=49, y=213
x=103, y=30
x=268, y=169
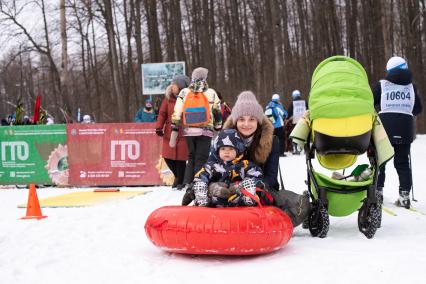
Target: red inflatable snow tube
x=220, y=231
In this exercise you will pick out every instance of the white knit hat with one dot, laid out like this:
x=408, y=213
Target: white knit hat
x=396, y=62
x=275, y=97
x=247, y=104
x=295, y=94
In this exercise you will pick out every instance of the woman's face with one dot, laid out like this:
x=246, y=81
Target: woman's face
x=175, y=89
x=246, y=125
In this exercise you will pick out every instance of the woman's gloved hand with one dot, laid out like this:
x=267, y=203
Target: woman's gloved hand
x=159, y=132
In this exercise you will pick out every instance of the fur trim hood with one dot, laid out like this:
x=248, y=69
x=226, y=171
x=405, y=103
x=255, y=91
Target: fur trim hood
x=259, y=150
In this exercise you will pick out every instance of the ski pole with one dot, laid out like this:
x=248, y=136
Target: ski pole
x=281, y=176
x=411, y=176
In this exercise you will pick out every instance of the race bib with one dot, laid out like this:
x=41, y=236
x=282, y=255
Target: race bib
x=299, y=108
x=396, y=98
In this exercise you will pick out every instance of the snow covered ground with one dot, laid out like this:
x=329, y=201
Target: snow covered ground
x=107, y=243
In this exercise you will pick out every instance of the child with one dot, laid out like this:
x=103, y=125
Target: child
x=226, y=173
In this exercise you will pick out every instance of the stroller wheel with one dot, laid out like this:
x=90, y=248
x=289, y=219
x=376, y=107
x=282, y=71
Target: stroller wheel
x=319, y=221
x=369, y=219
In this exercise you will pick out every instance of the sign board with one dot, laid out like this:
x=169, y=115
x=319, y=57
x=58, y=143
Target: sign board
x=157, y=76
x=114, y=154
x=33, y=154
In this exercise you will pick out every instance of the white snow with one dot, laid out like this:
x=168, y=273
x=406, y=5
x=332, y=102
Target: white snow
x=107, y=243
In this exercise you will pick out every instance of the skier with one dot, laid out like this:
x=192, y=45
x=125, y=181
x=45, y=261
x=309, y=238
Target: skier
x=296, y=111
x=277, y=114
x=397, y=102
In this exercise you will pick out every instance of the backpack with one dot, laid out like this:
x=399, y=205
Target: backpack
x=270, y=113
x=196, y=109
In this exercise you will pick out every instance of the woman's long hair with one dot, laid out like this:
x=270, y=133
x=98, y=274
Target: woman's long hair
x=253, y=146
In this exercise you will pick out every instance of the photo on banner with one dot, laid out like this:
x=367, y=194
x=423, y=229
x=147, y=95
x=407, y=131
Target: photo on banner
x=157, y=76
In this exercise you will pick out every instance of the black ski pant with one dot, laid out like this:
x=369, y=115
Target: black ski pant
x=198, y=153
x=280, y=133
x=401, y=161
x=178, y=169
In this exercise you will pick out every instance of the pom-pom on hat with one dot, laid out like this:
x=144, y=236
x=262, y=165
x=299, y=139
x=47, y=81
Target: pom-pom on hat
x=247, y=104
x=396, y=62
x=295, y=94
x=181, y=81
x=275, y=97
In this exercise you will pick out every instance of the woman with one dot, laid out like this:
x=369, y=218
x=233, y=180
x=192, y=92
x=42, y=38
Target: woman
x=175, y=157
x=263, y=148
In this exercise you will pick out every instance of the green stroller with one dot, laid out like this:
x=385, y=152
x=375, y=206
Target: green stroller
x=340, y=126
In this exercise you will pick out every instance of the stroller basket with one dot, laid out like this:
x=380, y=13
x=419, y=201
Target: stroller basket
x=344, y=197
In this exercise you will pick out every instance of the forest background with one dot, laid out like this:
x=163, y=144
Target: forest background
x=87, y=53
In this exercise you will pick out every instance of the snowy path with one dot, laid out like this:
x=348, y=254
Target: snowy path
x=107, y=243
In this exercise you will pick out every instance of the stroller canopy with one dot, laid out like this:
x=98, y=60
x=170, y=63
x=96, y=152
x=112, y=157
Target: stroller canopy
x=340, y=88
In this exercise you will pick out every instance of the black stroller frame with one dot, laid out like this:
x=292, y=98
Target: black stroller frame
x=370, y=213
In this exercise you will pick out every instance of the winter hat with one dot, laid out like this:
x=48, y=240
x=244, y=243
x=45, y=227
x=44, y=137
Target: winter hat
x=295, y=94
x=181, y=81
x=231, y=138
x=396, y=62
x=247, y=104
x=148, y=103
x=49, y=121
x=199, y=73
x=275, y=97
x=199, y=77
x=87, y=118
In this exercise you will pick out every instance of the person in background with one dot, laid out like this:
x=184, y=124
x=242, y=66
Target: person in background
x=50, y=120
x=277, y=115
x=224, y=107
x=175, y=157
x=295, y=112
x=5, y=121
x=9, y=120
x=26, y=120
x=146, y=113
x=86, y=119
x=397, y=102
x=198, y=122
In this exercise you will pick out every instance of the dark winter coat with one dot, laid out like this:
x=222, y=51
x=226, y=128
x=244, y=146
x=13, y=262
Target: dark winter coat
x=164, y=121
x=263, y=151
x=228, y=172
x=398, y=126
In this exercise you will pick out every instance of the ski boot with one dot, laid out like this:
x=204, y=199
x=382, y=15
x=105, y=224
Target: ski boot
x=403, y=199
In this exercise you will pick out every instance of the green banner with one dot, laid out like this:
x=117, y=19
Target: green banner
x=33, y=154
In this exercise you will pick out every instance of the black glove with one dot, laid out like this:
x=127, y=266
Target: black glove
x=262, y=185
x=188, y=196
x=175, y=127
x=159, y=132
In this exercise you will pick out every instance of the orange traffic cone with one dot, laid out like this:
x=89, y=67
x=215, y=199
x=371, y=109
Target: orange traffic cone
x=33, y=206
